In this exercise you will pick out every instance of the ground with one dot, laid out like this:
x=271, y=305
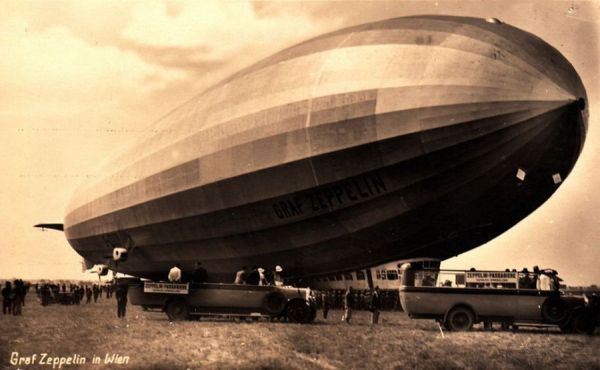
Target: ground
x=151, y=342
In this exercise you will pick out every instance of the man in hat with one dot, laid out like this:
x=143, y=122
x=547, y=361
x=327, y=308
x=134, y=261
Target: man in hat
x=277, y=279
x=175, y=274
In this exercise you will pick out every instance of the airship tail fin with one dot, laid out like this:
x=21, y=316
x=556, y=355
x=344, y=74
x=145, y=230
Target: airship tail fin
x=59, y=227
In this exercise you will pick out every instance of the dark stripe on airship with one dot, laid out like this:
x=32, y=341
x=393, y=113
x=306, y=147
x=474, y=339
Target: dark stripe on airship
x=412, y=198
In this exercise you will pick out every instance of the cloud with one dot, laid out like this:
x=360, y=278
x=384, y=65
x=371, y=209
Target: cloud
x=65, y=72
x=207, y=35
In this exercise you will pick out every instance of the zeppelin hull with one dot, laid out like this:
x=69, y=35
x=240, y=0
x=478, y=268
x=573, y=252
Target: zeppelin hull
x=411, y=137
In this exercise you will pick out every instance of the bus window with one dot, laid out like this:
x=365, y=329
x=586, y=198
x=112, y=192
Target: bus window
x=338, y=277
x=378, y=274
x=460, y=279
x=425, y=278
x=360, y=275
x=348, y=276
x=392, y=275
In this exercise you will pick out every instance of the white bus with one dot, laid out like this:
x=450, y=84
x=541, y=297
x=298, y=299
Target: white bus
x=386, y=277
x=458, y=299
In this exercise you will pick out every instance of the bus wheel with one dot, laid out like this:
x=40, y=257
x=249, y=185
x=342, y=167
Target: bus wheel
x=554, y=310
x=583, y=323
x=299, y=311
x=178, y=310
x=460, y=319
x=274, y=303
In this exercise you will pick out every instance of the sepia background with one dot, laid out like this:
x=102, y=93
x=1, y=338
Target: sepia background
x=81, y=80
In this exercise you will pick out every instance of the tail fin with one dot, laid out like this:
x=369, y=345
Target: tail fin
x=59, y=227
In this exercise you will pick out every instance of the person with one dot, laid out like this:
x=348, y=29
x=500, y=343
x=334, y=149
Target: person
x=88, y=294
x=375, y=305
x=200, y=275
x=535, y=281
x=175, y=274
x=262, y=280
x=96, y=292
x=525, y=281
x=15, y=298
x=253, y=277
x=121, y=295
x=45, y=294
x=22, y=291
x=6, y=302
x=81, y=293
x=544, y=281
x=428, y=280
x=240, y=276
x=326, y=302
x=348, y=303
x=277, y=279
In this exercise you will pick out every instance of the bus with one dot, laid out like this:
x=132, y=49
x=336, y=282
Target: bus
x=458, y=299
x=386, y=277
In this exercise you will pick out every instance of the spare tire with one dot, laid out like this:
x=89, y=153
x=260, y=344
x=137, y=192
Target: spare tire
x=554, y=310
x=274, y=302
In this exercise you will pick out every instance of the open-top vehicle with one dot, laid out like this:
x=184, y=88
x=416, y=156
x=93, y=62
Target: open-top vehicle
x=182, y=300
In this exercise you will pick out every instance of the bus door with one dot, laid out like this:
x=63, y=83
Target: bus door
x=530, y=298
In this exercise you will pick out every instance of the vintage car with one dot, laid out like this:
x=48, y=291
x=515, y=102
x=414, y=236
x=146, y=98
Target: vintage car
x=459, y=299
x=182, y=300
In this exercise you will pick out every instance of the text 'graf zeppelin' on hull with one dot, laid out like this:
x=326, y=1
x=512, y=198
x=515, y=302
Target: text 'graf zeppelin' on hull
x=411, y=137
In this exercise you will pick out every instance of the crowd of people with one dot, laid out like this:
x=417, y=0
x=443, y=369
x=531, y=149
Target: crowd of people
x=254, y=276
x=13, y=297
x=546, y=279
x=357, y=299
x=14, y=293
x=72, y=293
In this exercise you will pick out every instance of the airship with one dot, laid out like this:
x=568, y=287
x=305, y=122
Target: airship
x=411, y=137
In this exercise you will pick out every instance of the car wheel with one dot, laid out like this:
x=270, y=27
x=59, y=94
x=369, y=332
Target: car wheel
x=583, y=323
x=299, y=312
x=554, y=310
x=460, y=319
x=178, y=310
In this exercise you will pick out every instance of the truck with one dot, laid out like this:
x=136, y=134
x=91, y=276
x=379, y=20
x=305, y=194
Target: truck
x=458, y=299
x=182, y=301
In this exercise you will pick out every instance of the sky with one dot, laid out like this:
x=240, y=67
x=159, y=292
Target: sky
x=80, y=81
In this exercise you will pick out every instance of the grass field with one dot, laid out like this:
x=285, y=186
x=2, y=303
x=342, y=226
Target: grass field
x=151, y=342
